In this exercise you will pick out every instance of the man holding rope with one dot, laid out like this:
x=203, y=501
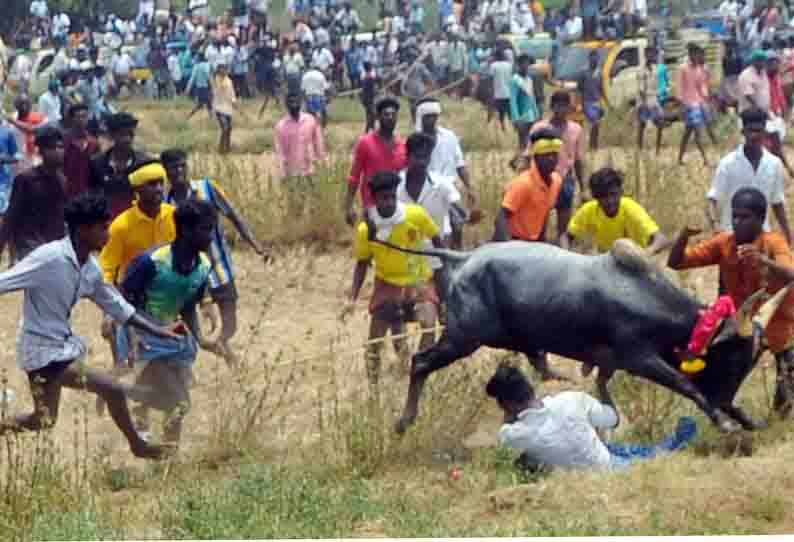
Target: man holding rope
x=404, y=289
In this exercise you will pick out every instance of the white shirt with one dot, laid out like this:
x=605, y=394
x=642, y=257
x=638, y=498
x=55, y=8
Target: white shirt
x=38, y=8
x=398, y=24
x=322, y=59
x=641, y=8
x=735, y=172
x=50, y=105
x=22, y=68
x=213, y=55
x=321, y=36
x=563, y=432
x=227, y=53
x=729, y=8
x=502, y=72
x=314, y=83
x=573, y=28
x=447, y=155
x=122, y=64
x=174, y=67
x=61, y=24
x=437, y=196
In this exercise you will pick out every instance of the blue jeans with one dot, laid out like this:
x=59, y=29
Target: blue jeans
x=624, y=455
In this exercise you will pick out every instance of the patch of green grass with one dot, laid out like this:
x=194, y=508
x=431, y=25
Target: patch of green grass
x=271, y=502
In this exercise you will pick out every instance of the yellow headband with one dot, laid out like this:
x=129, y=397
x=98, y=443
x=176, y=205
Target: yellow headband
x=147, y=174
x=546, y=146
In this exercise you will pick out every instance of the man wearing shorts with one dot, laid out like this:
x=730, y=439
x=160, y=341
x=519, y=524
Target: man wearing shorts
x=502, y=73
x=590, y=87
x=54, y=277
x=693, y=88
x=653, y=84
x=404, y=289
x=200, y=84
x=523, y=105
x=570, y=164
x=314, y=85
x=222, y=278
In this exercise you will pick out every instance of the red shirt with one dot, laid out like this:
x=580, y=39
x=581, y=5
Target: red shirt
x=372, y=155
x=76, y=163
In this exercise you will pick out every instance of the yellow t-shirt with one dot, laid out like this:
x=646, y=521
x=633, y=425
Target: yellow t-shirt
x=395, y=267
x=631, y=221
x=131, y=234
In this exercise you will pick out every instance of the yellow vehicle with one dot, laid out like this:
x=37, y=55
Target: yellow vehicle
x=620, y=63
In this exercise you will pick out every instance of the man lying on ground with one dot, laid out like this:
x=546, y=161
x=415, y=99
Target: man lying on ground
x=560, y=430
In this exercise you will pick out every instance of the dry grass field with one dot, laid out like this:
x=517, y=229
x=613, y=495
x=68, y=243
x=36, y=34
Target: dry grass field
x=289, y=447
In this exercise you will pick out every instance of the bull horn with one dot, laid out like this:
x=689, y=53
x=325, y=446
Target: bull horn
x=744, y=316
x=768, y=309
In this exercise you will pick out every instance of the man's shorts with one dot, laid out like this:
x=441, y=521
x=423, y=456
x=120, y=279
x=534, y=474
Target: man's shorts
x=502, y=106
x=225, y=293
x=315, y=104
x=48, y=373
x=593, y=112
x=567, y=191
x=180, y=352
x=203, y=96
x=653, y=114
x=694, y=116
x=589, y=8
x=224, y=120
x=398, y=303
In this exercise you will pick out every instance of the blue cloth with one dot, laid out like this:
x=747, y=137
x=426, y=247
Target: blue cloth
x=624, y=455
x=181, y=352
x=567, y=191
x=651, y=114
x=589, y=8
x=593, y=111
x=315, y=104
x=354, y=60
x=8, y=149
x=694, y=116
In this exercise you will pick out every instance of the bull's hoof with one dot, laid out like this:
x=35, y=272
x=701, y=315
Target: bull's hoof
x=755, y=425
x=726, y=425
x=421, y=367
x=403, y=424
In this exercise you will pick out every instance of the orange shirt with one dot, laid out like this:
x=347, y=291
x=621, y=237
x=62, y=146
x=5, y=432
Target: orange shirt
x=742, y=279
x=530, y=200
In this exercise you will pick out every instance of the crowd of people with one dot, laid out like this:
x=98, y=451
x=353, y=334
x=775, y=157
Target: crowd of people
x=162, y=254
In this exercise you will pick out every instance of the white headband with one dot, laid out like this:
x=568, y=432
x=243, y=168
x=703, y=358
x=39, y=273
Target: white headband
x=426, y=108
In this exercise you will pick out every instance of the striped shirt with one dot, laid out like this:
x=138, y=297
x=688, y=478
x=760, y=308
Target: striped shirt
x=219, y=253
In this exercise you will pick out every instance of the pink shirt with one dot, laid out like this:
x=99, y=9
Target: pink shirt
x=299, y=144
x=372, y=155
x=572, y=144
x=693, y=85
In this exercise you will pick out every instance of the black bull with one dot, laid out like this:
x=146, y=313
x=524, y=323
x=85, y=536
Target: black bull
x=616, y=311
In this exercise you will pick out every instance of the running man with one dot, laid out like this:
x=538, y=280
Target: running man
x=167, y=283
x=54, y=277
x=222, y=287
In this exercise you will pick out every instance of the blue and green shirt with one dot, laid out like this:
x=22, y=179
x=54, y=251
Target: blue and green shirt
x=153, y=284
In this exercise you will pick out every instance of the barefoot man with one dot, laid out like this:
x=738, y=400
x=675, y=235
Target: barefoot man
x=54, y=277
